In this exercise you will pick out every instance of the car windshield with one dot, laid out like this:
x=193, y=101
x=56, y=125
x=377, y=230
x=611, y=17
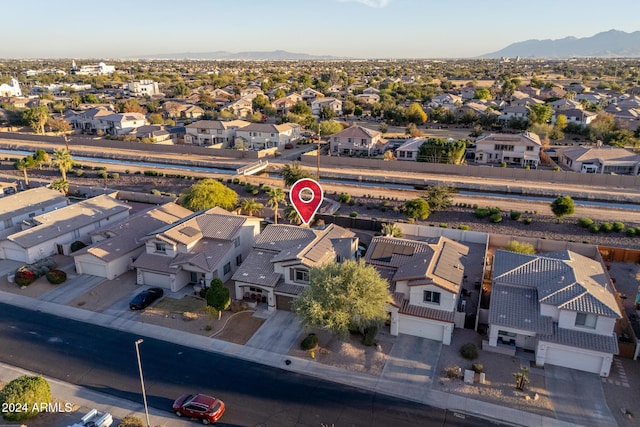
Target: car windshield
x=216, y=407
x=139, y=297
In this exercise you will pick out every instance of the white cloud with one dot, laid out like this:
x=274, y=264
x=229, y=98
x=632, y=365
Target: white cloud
x=371, y=3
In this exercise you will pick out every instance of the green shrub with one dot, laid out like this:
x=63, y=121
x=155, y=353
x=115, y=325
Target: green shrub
x=115, y=175
x=469, y=351
x=475, y=206
x=607, y=227
x=631, y=232
x=150, y=173
x=310, y=342
x=369, y=338
x=443, y=225
x=156, y=192
x=515, y=215
x=25, y=393
x=24, y=277
x=464, y=227
x=481, y=213
x=503, y=165
x=266, y=189
x=585, y=222
x=496, y=218
x=618, y=226
x=528, y=221
x=353, y=214
x=55, y=276
x=137, y=173
x=102, y=174
x=638, y=231
x=477, y=367
x=344, y=197
x=351, y=202
x=594, y=228
x=493, y=211
x=79, y=172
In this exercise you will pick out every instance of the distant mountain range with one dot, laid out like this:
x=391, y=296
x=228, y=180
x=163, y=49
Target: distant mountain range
x=612, y=43
x=276, y=55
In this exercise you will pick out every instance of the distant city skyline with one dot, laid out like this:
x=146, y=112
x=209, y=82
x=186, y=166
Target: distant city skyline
x=342, y=28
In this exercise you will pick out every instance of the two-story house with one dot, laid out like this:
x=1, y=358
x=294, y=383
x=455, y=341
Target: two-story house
x=559, y=305
x=283, y=105
x=143, y=88
x=242, y=107
x=518, y=150
x=328, y=102
x=196, y=249
x=212, y=132
x=577, y=116
x=266, y=135
x=277, y=269
x=121, y=123
x=425, y=279
x=310, y=94
x=53, y=232
x=113, y=249
x=356, y=140
x=88, y=120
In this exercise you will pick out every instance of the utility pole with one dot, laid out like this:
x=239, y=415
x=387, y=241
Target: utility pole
x=144, y=393
x=318, y=167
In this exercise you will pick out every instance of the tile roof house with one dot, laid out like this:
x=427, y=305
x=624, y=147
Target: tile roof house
x=283, y=105
x=277, y=269
x=425, y=280
x=53, y=232
x=310, y=94
x=521, y=150
x=409, y=150
x=113, y=249
x=212, y=132
x=267, y=135
x=242, y=107
x=88, y=120
x=27, y=204
x=356, y=140
x=196, y=249
x=604, y=159
x=557, y=304
x=577, y=116
x=121, y=123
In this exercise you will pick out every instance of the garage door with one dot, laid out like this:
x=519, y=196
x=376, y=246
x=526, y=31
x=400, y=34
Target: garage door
x=574, y=360
x=156, y=279
x=420, y=328
x=92, y=268
x=283, y=303
x=16, y=255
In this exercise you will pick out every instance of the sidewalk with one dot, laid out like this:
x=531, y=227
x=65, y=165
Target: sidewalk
x=402, y=377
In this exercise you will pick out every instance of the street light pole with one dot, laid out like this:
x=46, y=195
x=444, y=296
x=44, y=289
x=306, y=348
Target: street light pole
x=144, y=393
x=318, y=167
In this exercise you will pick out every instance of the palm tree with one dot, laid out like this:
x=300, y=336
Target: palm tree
x=250, y=206
x=276, y=196
x=291, y=214
x=24, y=164
x=61, y=185
x=62, y=158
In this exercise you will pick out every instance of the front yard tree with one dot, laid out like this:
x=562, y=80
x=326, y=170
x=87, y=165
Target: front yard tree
x=25, y=394
x=329, y=127
x=415, y=114
x=250, y=206
x=562, y=206
x=416, y=209
x=292, y=172
x=36, y=118
x=343, y=297
x=208, y=194
x=391, y=230
x=218, y=296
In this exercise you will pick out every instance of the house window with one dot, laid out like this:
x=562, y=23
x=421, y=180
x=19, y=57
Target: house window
x=529, y=147
x=236, y=242
x=401, y=154
x=409, y=154
x=227, y=268
x=8, y=223
x=432, y=297
x=586, y=320
x=299, y=275
x=161, y=247
x=239, y=259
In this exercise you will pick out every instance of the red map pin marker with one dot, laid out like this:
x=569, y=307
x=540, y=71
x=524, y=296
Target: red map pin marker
x=306, y=197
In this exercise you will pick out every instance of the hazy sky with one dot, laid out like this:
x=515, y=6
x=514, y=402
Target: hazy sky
x=346, y=28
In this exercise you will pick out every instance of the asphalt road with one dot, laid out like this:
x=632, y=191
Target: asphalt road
x=105, y=360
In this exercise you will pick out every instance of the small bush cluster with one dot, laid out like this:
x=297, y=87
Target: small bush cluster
x=477, y=367
x=27, y=274
x=608, y=227
x=496, y=218
x=153, y=173
x=369, y=338
x=515, y=215
x=469, y=351
x=585, y=222
x=463, y=227
x=344, y=197
x=55, y=276
x=527, y=221
x=310, y=342
x=452, y=372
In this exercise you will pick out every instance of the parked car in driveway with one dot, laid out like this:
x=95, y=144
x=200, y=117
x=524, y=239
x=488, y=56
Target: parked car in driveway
x=205, y=408
x=144, y=298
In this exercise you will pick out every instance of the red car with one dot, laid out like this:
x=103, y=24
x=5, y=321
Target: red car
x=199, y=406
